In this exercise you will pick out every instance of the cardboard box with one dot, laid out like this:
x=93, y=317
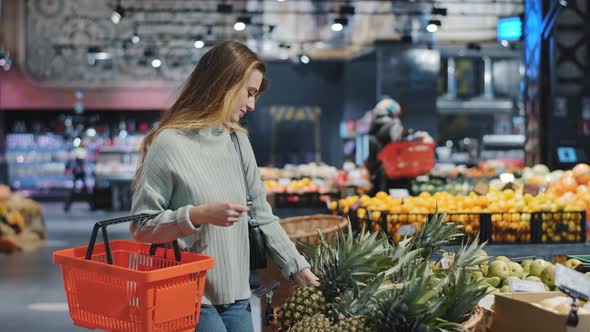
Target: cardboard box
x=514, y=312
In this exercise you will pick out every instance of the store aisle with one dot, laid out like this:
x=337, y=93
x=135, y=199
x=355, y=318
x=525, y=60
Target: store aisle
x=32, y=297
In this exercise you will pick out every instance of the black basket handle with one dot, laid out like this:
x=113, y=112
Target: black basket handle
x=103, y=225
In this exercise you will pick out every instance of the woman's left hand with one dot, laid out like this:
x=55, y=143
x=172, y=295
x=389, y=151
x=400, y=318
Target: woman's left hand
x=306, y=277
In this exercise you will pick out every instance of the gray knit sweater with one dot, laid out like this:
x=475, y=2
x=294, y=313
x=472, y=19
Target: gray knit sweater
x=185, y=169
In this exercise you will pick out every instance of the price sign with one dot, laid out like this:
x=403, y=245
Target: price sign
x=572, y=282
x=517, y=285
x=407, y=230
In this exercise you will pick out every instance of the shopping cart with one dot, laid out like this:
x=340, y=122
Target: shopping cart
x=407, y=159
x=130, y=286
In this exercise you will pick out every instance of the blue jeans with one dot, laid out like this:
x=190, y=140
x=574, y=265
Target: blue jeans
x=235, y=317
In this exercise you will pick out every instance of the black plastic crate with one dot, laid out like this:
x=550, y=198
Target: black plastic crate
x=512, y=228
x=562, y=227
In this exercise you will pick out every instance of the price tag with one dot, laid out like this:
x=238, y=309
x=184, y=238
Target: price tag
x=531, y=189
x=399, y=193
x=517, y=285
x=445, y=262
x=572, y=282
x=407, y=230
x=481, y=188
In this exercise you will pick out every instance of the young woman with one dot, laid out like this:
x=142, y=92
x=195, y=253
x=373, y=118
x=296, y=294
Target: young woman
x=191, y=176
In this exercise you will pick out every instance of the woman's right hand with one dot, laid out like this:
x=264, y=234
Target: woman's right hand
x=221, y=214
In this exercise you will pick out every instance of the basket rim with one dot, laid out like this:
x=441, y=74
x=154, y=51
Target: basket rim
x=72, y=257
x=474, y=319
x=342, y=224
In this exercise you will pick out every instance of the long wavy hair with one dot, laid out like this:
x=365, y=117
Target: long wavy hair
x=208, y=94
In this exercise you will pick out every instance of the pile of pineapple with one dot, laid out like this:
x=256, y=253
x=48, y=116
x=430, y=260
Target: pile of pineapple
x=368, y=284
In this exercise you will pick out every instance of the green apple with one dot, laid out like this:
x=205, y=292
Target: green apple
x=503, y=258
x=533, y=278
x=537, y=267
x=492, y=281
x=505, y=289
x=547, y=289
x=499, y=269
x=548, y=275
x=485, y=269
x=526, y=265
x=516, y=270
x=588, y=274
x=573, y=263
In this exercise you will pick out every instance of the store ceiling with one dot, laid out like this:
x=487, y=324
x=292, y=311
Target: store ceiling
x=65, y=37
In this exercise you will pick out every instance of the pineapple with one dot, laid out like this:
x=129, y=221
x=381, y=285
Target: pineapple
x=353, y=324
x=303, y=302
x=316, y=323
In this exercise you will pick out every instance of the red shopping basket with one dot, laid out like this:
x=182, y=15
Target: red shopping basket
x=130, y=286
x=407, y=159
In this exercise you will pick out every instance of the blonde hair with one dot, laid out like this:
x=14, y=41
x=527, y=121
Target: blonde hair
x=207, y=96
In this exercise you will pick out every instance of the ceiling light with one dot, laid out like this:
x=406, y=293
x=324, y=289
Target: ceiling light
x=242, y=22
x=239, y=26
x=304, y=59
x=433, y=25
x=77, y=141
x=199, y=43
x=337, y=27
x=504, y=43
x=156, y=63
x=339, y=23
x=135, y=39
x=90, y=132
x=118, y=14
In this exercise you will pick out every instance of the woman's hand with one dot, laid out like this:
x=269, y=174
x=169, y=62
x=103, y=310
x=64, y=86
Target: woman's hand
x=306, y=277
x=221, y=214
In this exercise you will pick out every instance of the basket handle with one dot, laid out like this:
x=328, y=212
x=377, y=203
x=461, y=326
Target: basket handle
x=107, y=246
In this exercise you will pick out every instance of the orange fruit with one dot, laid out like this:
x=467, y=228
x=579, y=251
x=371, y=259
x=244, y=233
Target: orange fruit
x=568, y=184
x=581, y=173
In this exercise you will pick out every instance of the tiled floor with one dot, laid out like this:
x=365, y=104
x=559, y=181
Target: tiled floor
x=31, y=289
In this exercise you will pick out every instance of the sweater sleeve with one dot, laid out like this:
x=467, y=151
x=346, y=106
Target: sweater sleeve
x=281, y=249
x=153, y=191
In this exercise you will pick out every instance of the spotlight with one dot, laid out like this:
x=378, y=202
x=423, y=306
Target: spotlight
x=339, y=23
x=239, y=26
x=90, y=132
x=118, y=14
x=304, y=59
x=156, y=63
x=77, y=141
x=242, y=22
x=199, y=43
x=433, y=25
x=135, y=39
x=504, y=43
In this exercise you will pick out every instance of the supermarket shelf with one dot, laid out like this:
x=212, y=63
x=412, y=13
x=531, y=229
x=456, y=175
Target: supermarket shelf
x=539, y=250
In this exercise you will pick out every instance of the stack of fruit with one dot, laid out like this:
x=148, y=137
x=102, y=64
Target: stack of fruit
x=304, y=185
x=369, y=284
x=511, y=213
x=498, y=273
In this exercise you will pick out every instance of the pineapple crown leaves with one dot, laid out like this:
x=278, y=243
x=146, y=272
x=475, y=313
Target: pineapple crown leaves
x=459, y=296
x=436, y=233
x=403, y=258
x=407, y=307
x=360, y=301
x=469, y=256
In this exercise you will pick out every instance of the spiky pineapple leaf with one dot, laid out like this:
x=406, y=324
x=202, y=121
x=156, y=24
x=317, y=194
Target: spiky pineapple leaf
x=436, y=233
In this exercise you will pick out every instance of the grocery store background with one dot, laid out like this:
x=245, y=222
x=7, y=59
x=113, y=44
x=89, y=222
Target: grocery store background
x=499, y=85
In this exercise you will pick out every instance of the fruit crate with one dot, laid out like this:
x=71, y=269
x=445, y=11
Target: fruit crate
x=512, y=227
x=561, y=227
x=399, y=225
